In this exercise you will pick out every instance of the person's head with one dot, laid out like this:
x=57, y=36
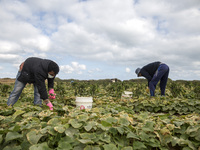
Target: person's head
x=137, y=71
x=53, y=69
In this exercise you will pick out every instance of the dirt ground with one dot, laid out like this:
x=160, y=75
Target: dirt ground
x=7, y=80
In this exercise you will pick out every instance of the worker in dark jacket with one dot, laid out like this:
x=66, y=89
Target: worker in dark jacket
x=35, y=70
x=155, y=72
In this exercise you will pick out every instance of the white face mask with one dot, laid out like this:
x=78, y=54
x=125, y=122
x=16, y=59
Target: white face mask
x=50, y=76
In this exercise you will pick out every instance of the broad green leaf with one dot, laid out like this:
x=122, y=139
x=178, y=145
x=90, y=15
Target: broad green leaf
x=114, y=131
x=186, y=148
x=53, y=121
x=12, y=136
x=35, y=120
x=52, y=131
x=198, y=136
x=121, y=141
x=1, y=138
x=45, y=130
x=109, y=147
x=71, y=132
x=14, y=128
x=123, y=121
x=34, y=136
x=12, y=147
x=90, y=125
x=111, y=120
x=2, y=117
x=120, y=130
x=17, y=113
x=138, y=145
x=164, y=139
x=105, y=137
x=153, y=143
x=67, y=139
x=103, y=127
x=29, y=114
x=86, y=141
x=132, y=135
x=65, y=108
x=165, y=131
x=170, y=127
x=127, y=148
x=88, y=147
x=25, y=144
x=106, y=124
x=73, y=114
x=83, y=117
x=59, y=129
x=148, y=126
x=175, y=141
x=45, y=113
x=87, y=136
x=192, y=130
x=75, y=123
x=144, y=136
x=64, y=145
x=42, y=146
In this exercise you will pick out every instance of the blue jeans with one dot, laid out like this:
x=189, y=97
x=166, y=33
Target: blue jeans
x=162, y=76
x=18, y=87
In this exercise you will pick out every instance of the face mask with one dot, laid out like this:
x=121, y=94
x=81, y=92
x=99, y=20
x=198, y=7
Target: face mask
x=50, y=76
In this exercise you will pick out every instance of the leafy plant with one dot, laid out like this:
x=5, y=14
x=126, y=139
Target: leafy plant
x=142, y=122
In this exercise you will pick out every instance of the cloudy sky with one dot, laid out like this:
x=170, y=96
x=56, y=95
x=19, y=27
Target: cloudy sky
x=100, y=39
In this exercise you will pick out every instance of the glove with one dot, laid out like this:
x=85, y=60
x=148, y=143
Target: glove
x=50, y=105
x=52, y=95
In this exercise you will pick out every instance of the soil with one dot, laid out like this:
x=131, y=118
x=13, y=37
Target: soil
x=7, y=81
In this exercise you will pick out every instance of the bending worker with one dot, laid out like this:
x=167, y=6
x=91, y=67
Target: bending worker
x=154, y=72
x=35, y=70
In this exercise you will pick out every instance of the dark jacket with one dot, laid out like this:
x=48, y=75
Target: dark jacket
x=149, y=70
x=35, y=70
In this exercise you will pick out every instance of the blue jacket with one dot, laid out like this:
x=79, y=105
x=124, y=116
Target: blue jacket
x=149, y=70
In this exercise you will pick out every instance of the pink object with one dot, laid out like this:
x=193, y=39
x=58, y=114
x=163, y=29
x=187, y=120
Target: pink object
x=50, y=105
x=52, y=95
x=82, y=107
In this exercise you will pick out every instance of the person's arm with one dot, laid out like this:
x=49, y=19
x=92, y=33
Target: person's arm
x=52, y=94
x=146, y=74
x=41, y=88
x=50, y=83
x=40, y=83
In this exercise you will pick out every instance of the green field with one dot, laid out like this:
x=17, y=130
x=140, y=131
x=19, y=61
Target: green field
x=114, y=123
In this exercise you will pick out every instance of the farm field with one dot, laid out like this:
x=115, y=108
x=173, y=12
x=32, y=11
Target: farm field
x=114, y=123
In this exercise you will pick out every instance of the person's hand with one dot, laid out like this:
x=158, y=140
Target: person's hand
x=48, y=103
x=52, y=95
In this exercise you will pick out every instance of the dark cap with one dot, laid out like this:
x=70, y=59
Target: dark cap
x=53, y=67
x=137, y=71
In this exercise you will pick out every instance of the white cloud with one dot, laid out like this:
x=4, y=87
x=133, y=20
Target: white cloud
x=9, y=47
x=75, y=67
x=128, y=70
x=94, y=70
x=110, y=32
x=17, y=33
x=7, y=57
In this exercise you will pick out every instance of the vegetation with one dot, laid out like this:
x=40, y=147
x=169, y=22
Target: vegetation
x=138, y=123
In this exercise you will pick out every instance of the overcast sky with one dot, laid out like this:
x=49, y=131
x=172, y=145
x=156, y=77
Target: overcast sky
x=100, y=39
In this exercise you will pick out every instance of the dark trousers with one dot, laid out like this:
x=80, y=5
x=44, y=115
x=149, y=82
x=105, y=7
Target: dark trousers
x=162, y=76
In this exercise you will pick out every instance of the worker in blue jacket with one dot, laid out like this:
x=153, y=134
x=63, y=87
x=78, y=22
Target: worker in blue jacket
x=154, y=72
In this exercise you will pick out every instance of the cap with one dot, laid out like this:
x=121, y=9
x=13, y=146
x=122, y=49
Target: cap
x=137, y=71
x=53, y=67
